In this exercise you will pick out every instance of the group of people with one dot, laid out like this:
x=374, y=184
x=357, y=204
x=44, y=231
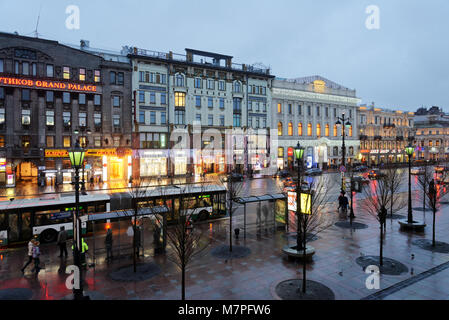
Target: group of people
x=343, y=202
x=34, y=253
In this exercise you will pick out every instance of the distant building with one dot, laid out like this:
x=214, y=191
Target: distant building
x=384, y=134
x=52, y=94
x=173, y=91
x=432, y=134
x=305, y=110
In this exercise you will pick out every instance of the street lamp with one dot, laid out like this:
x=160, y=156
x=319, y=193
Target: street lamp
x=343, y=120
x=299, y=153
x=76, y=156
x=409, y=150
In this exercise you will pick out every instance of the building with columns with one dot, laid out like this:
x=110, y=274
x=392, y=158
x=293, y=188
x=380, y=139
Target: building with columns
x=307, y=110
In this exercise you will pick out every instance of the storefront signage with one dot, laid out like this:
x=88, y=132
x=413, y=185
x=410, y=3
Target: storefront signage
x=306, y=202
x=384, y=151
x=63, y=153
x=290, y=152
x=364, y=151
x=374, y=151
x=47, y=84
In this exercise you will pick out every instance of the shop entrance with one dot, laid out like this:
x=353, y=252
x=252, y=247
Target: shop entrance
x=27, y=170
x=116, y=168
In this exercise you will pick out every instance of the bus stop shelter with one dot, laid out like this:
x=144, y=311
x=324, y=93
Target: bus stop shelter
x=259, y=199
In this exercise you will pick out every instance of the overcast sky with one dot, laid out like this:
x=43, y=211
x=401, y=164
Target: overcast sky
x=402, y=65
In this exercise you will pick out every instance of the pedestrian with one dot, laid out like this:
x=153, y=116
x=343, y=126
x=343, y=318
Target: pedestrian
x=92, y=181
x=83, y=250
x=36, y=256
x=30, y=255
x=341, y=200
x=108, y=244
x=62, y=242
x=137, y=236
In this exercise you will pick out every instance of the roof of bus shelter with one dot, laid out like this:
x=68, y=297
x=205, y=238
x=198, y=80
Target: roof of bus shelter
x=267, y=197
x=128, y=213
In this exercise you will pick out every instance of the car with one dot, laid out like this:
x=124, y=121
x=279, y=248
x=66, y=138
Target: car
x=283, y=173
x=314, y=172
x=440, y=168
x=417, y=170
x=375, y=174
x=360, y=169
x=235, y=177
x=361, y=179
x=292, y=188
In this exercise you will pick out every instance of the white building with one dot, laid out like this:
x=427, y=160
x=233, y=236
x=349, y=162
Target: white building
x=306, y=110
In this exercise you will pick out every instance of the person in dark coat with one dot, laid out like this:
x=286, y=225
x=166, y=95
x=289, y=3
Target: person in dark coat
x=138, y=240
x=62, y=242
x=108, y=244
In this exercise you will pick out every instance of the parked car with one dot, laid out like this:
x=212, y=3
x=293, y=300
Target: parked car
x=314, y=172
x=417, y=170
x=375, y=174
x=360, y=169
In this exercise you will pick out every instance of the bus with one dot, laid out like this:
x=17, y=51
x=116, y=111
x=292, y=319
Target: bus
x=20, y=219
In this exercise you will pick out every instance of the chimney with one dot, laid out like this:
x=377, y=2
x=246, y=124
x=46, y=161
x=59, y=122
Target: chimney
x=84, y=44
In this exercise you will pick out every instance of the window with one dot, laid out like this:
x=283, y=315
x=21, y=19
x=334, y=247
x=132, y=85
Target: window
x=163, y=117
x=237, y=87
x=335, y=112
x=290, y=129
x=299, y=109
x=222, y=103
x=198, y=83
x=257, y=122
x=250, y=122
x=66, y=119
x=26, y=95
x=179, y=117
x=257, y=106
x=112, y=77
x=318, y=111
x=67, y=142
x=82, y=98
x=97, y=141
x=1, y=66
x=350, y=113
x=237, y=120
x=49, y=96
x=198, y=101
x=97, y=120
x=142, y=96
x=221, y=85
x=280, y=129
x=141, y=76
x=2, y=116
x=179, y=80
x=26, y=117
x=335, y=130
x=82, y=119
x=2, y=93
x=300, y=129
x=280, y=152
x=82, y=74
x=309, y=129
x=153, y=117
x=116, y=141
x=289, y=109
x=264, y=123
x=237, y=105
x=66, y=97
x=50, y=141
x=50, y=118
x=198, y=117
x=153, y=97
x=97, y=76
x=210, y=120
x=142, y=116
x=335, y=151
x=318, y=130
x=163, y=78
x=350, y=131
x=25, y=68
x=66, y=73
x=163, y=98
x=180, y=99
x=222, y=119
x=2, y=141
x=326, y=130
x=250, y=106
x=97, y=100
x=210, y=102
x=116, y=121
x=26, y=141
x=279, y=108
x=210, y=84
x=116, y=101
x=309, y=110
x=120, y=78
x=326, y=111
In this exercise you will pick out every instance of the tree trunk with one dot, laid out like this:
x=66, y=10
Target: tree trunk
x=381, y=260
x=304, y=269
x=183, y=281
x=433, y=230
x=134, y=237
x=230, y=223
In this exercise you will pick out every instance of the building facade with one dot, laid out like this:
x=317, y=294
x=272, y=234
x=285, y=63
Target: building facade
x=384, y=134
x=432, y=134
x=52, y=95
x=306, y=110
x=201, y=95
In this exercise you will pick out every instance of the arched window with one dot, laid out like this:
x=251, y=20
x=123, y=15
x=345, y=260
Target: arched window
x=300, y=129
x=290, y=129
x=335, y=130
x=318, y=130
x=237, y=87
x=309, y=129
x=179, y=80
x=326, y=131
x=280, y=129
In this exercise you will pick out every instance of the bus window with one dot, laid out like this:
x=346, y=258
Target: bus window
x=3, y=221
x=13, y=234
x=91, y=209
x=101, y=208
x=25, y=231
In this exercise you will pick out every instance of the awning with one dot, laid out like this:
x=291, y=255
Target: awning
x=266, y=197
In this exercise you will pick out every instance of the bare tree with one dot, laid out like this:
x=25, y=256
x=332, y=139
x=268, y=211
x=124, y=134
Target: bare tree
x=433, y=196
x=233, y=191
x=313, y=219
x=423, y=183
x=378, y=199
x=183, y=238
x=394, y=179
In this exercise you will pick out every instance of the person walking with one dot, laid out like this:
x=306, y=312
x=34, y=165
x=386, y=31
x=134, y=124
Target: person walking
x=83, y=250
x=138, y=240
x=30, y=255
x=36, y=257
x=62, y=242
x=108, y=244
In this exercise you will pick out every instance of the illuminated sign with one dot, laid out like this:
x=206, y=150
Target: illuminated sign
x=306, y=202
x=374, y=151
x=318, y=86
x=290, y=152
x=47, y=84
x=63, y=153
x=364, y=151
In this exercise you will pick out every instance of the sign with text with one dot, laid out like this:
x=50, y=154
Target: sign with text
x=47, y=84
x=63, y=153
x=306, y=202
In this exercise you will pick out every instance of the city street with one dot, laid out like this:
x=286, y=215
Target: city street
x=256, y=275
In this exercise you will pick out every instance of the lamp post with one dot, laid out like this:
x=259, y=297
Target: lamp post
x=343, y=122
x=409, y=150
x=299, y=153
x=76, y=159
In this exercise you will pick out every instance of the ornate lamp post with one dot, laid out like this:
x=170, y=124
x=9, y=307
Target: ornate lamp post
x=343, y=122
x=76, y=159
x=409, y=150
x=299, y=153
